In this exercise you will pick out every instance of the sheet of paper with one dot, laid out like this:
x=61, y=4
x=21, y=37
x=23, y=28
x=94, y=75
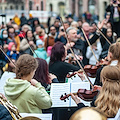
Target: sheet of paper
x=75, y=87
x=41, y=116
x=117, y=117
x=74, y=79
x=58, y=89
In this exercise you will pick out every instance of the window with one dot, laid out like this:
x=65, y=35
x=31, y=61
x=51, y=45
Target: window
x=42, y=6
x=37, y=8
x=91, y=6
x=51, y=7
x=30, y=5
x=22, y=7
x=80, y=7
x=11, y=7
x=16, y=7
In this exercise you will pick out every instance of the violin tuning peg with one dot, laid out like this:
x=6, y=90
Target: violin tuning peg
x=61, y=96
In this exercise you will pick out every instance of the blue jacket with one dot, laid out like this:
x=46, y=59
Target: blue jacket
x=13, y=56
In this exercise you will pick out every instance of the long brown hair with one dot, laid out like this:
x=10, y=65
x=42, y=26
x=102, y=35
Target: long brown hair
x=115, y=50
x=25, y=65
x=108, y=101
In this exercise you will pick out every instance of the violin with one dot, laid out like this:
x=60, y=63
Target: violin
x=86, y=95
x=74, y=73
x=70, y=59
x=91, y=69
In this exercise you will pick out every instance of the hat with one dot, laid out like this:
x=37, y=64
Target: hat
x=39, y=42
x=30, y=15
x=10, y=45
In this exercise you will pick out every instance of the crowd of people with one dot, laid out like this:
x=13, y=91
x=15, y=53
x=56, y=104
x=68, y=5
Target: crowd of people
x=33, y=59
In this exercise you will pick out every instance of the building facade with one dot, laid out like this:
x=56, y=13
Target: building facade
x=77, y=7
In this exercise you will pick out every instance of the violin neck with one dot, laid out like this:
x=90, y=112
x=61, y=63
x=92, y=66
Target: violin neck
x=72, y=93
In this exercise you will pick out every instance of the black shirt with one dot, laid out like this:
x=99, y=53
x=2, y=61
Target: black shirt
x=61, y=69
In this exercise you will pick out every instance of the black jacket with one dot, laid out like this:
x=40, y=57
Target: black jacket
x=4, y=113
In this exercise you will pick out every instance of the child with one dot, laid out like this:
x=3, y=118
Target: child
x=12, y=53
x=41, y=53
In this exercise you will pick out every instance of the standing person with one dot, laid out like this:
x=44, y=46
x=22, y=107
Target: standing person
x=17, y=20
x=41, y=53
x=12, y=53
x=13, y=37
x=23, y=19
x=26, y=93
x=29, y=40
x=4, y=41
x=114, y=9
x=50, y=40
x=30, y=20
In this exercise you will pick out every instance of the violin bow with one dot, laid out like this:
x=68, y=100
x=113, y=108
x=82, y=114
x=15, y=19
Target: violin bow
x=8, y=57
x=74, y=54
x=89, y=44
x=29, y=45
x=103, y=35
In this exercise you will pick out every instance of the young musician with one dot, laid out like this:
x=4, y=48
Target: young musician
x=26, y=93
x=57, y=65
x=113, y=58
x=108, y=100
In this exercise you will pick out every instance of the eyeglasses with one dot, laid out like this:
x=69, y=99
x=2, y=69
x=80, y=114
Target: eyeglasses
x=52, y=29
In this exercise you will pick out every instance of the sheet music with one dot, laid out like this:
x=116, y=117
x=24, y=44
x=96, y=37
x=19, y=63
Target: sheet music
x=74, y=79
x=117, y=117
x=58, y=89
x=75, y=87
x=41, y=116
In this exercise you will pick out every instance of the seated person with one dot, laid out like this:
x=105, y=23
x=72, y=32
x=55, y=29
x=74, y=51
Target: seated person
x=27, y=94
x=88, y=114
x=108, y=100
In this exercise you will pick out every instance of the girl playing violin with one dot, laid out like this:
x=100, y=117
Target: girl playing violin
x=108, y=100
x=113, y=58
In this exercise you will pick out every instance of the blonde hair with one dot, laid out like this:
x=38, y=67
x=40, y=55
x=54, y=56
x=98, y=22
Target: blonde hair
x=108, y=101
x=115, y=50
x=88, y=113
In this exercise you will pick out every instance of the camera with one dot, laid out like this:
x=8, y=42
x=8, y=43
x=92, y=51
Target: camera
x=62, y=30
x=114, y=1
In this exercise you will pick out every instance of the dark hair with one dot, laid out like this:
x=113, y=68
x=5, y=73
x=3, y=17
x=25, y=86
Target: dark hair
x=10, y=27
x=25, y=65
x=32, y=36
x=36, y=19
x=57, y=52
x=50, y=28
x=42, y=74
